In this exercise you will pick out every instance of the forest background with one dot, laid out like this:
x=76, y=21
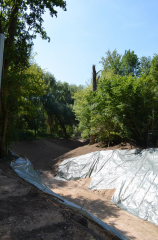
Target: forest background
x=34, y=104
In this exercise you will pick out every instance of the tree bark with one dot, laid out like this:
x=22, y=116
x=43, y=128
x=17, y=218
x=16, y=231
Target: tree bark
x=11, y=34
x=94, y=79
x=63, y=127
x=92, y=137
x=6, y=61
x=64, y=130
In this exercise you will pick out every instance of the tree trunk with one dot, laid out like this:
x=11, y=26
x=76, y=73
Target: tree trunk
x=11, y=34
x=6, y=61
x=63, y=127
x=92, y=137
x=3, y=145
x=94, y=79
x=64, y=130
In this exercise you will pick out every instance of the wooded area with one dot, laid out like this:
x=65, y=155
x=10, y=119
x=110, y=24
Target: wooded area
x=125, y=105
x=33, y=103
x=22, y=81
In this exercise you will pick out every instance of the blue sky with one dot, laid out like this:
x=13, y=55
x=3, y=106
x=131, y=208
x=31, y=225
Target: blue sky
x=89, y=28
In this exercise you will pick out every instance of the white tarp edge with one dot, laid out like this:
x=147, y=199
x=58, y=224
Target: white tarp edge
x=134, y=175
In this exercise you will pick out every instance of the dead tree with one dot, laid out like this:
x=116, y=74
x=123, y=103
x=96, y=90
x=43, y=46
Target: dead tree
x=94, y=79
x=92, y=137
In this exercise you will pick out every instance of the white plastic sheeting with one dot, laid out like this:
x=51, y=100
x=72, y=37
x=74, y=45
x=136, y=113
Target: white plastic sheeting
x=25, y=170
x=134, y=175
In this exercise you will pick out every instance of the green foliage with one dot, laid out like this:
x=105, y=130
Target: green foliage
x=82, y=108
x=44, y=106
x=20, y=22
x=130, y=64
x=125, y=106
x=112, y=61
x=145, y=64
x=76, y=132
x=58, y=103
x=123, y=65
x=24, y=97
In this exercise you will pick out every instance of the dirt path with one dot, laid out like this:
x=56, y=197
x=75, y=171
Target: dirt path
x=46, y=156
x=26, y=213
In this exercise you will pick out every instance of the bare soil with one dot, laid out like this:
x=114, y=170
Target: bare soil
x=26, y=213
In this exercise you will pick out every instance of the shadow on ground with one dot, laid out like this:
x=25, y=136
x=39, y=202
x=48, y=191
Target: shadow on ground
x=42, y=153
x=103, y=210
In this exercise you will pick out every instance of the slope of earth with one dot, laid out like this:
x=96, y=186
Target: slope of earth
x=28, y=214
x=47, y=154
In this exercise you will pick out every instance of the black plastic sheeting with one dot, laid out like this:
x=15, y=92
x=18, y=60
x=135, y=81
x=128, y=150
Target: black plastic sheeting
x=133, y=173
x=25, y=170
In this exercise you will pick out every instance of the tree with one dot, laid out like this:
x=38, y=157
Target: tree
x=58, y=103
x=124, y=107
x=83, y=110
x=20, y=22
x=153, y=83
x=130, y=63
x=145, y=64
x=112, y=61
x=29, y=100
x=121, y=65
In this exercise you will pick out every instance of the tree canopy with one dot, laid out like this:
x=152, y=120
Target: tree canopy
x=20, y=22
x=125, y=104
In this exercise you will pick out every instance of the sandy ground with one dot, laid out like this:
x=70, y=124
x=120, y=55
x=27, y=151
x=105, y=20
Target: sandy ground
x=46, y=155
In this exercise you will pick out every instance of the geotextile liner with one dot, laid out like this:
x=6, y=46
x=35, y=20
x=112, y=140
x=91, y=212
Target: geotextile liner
x=25, y=170
x=133, y=173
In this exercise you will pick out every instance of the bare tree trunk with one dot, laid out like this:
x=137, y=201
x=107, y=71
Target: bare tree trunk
x=94, y=79
x=92, y=137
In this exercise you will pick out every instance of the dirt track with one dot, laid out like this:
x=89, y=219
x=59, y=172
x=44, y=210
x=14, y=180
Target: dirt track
x=26, y=213
x=46, y=155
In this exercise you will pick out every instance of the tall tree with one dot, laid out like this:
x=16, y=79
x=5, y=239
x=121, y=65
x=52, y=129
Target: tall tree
x=112, y=61
x=145, y=64
x=83, y=110
x=123, y=107
x=20, y=22
x=29, y=98
x=58, y=104
x=130, y=63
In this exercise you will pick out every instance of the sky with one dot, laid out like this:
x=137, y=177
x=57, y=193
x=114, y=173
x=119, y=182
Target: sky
x=83, y=34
